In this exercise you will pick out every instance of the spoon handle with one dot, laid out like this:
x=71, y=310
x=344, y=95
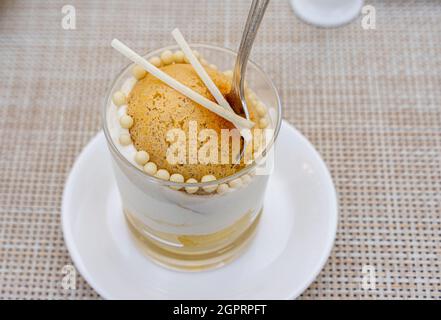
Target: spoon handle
x=255, y=16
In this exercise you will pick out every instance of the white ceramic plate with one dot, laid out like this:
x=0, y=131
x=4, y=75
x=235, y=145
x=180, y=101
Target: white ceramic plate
x=292, y=243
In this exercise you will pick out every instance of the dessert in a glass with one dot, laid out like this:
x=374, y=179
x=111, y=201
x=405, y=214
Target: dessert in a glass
x=191, y=188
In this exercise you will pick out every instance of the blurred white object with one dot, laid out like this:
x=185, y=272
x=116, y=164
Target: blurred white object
x=327, y=13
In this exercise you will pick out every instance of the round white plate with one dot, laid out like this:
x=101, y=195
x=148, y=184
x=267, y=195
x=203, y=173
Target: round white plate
x=327, y=13
x=292, y=243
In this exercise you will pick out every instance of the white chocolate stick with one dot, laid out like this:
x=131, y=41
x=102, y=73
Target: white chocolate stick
x=214, y=90
x=196, y=97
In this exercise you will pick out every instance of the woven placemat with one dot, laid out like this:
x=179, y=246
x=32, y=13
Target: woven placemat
x=369, y=100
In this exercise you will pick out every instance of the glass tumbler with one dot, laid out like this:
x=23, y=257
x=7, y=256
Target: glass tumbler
x=192, y=231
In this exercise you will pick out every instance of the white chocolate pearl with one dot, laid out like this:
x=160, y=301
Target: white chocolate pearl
x=142, y=157
x=167, y=57
x=126, y=121
x=260, y=109
x=119, y=98
x=156, y=61
x=178, y=56
x=151, y=168
x=176, y=177
x=162, y=174
x=191, y=189
x=208, y=178
x=245, y=179
x=263, y=123
x=138, y=72
x=236, y=183
x=222, y=188
x=125, y=139
x=228, y=73
x=213, y=66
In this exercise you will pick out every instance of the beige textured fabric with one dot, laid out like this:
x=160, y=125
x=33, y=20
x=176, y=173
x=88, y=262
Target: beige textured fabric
x=370, y=101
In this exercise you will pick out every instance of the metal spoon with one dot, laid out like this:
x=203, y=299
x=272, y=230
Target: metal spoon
x=236, y=97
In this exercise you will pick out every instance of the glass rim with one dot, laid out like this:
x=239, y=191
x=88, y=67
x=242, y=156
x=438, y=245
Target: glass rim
x=168, y=183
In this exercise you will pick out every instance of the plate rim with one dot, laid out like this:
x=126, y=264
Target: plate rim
x=68, y=237
x=330, y=244
x=76, y=258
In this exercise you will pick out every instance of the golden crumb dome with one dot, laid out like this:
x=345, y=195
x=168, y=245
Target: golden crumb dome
x=157, y=108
